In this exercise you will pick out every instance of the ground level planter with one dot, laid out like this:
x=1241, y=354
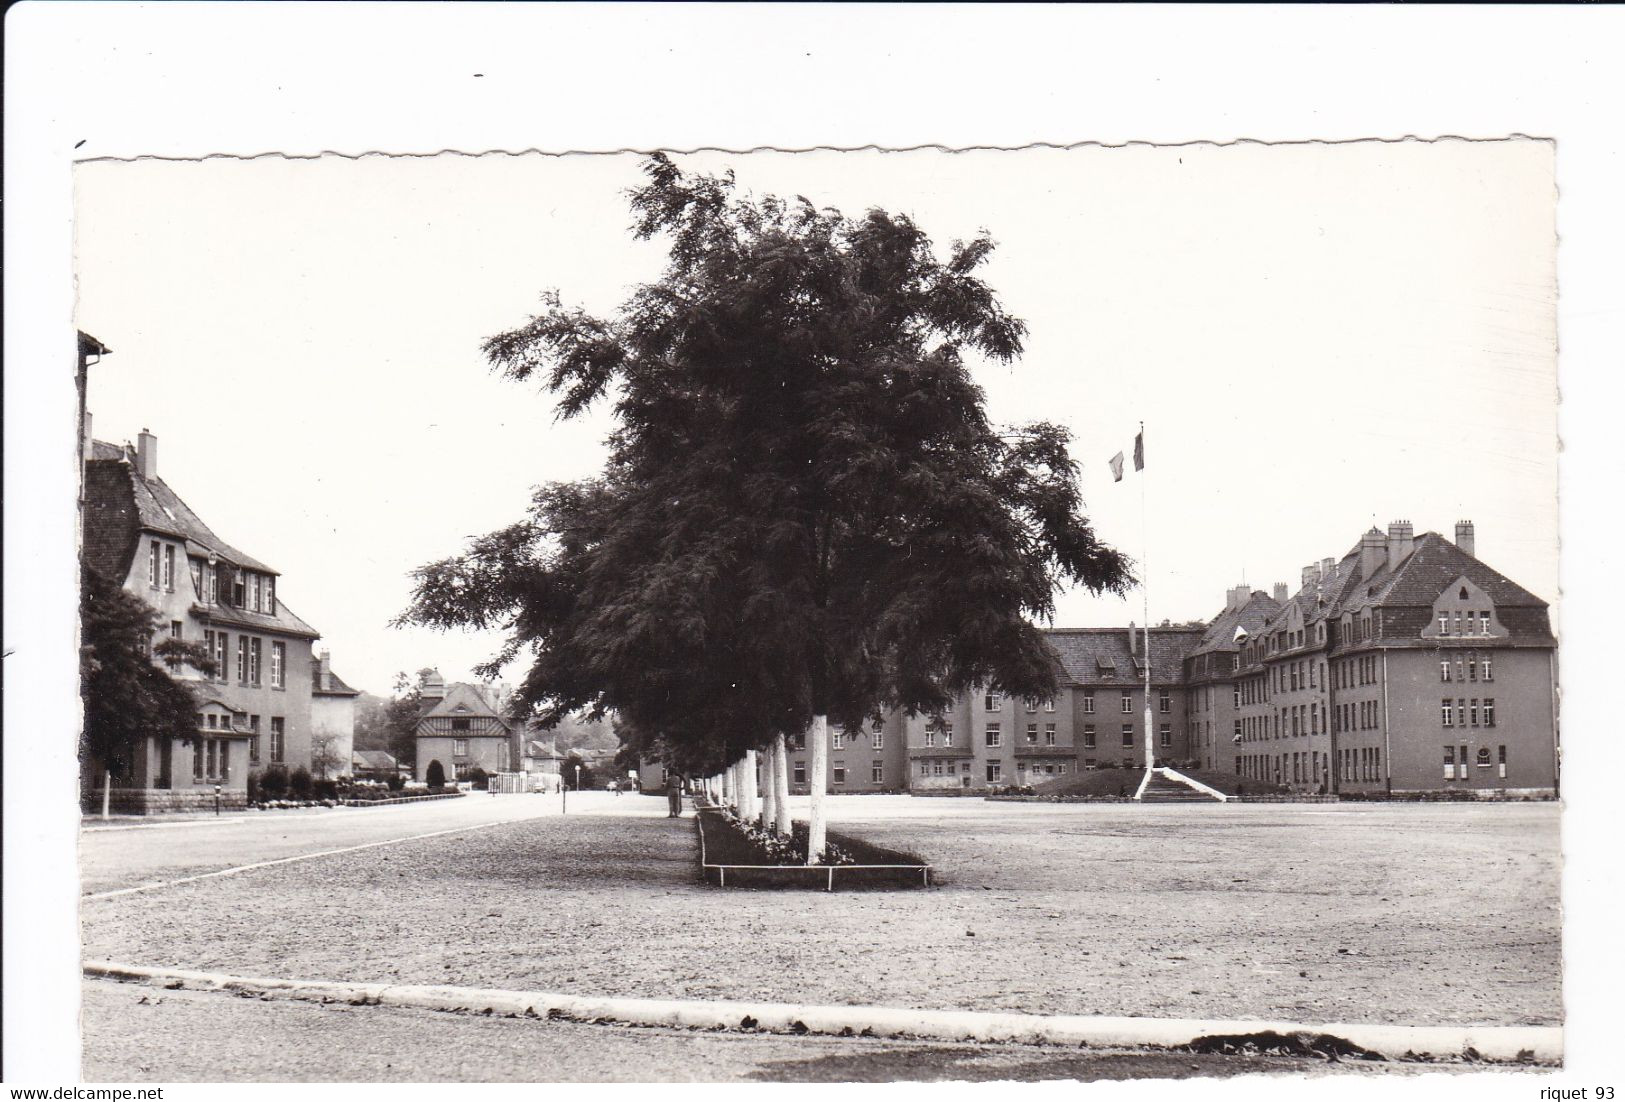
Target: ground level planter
x=731, y=858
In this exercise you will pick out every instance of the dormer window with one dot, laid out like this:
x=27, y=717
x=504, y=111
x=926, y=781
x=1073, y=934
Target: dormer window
x=239, y=590
x=1463, y=594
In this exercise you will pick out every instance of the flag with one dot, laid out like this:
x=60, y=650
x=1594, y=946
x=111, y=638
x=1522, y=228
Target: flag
x=1139, y=450
x=1117, y=467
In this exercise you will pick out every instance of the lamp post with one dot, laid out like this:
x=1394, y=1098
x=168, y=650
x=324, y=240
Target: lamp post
x=578, y=778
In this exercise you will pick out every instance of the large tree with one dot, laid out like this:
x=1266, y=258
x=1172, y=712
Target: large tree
x=128, y=697
x=805, y=513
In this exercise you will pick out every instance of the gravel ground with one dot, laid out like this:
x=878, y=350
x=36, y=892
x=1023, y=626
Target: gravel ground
x=1415, y=913
x=136, y=1034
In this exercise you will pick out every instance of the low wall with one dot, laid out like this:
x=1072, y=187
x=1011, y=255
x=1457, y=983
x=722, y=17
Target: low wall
x=156, y=801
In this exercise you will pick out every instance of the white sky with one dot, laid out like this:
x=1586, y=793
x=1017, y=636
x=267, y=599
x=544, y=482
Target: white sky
x=1318, y=337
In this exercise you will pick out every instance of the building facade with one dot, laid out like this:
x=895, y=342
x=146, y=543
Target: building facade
x=255, y=709
x=332, y=720
x=459, y=730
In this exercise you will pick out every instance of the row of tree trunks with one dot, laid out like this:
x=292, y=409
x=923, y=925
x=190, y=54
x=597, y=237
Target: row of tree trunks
x=770, y=790
x=820, y=769
x=750, y=805
x=781, y=785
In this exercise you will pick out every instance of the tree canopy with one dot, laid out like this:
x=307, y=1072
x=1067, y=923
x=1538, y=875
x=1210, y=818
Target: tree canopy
x=128, y=698
x=805, y=510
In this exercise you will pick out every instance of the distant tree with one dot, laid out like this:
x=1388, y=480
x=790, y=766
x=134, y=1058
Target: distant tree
x=436, y=776
x=806, y=514
x=127, y=696
x=325, y=758
x=391, y=724
x=577, y=773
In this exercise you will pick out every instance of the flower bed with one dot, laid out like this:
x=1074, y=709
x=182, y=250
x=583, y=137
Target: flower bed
x=735, y=855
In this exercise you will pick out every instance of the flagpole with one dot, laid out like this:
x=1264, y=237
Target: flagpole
x=1145, y=596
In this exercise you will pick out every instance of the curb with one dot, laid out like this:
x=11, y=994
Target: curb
x=1483, y=1042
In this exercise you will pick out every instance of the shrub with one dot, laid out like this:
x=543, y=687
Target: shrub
x=436, y=776
x=477, y=777
x=273, y=783
x=299, y=784
x=395, y=782
x=325, y=790
x=253, y=788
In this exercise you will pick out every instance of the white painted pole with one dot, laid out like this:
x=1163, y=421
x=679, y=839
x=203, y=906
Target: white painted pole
x=751, y=804
x=816, y=783
x=781, y=784
x=107, y=792
x=770, y=789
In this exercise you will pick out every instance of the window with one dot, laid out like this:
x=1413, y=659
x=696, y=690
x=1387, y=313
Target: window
x=254, y=741
x=197, y=577
x=212, y=579
x=459, y=748
x=992, y=701
x=197, y=758
x=1489, y=711
x=278, y=739
x=838, y=772
x=1165, y=736
x=930, y=737
x=1128, y=734
x=1486, y=672
x=1088, y=701
x=1483, y=623
x=994, y=736
x=1032, y=734
x=1444, y=623
x=1089, y=736
x=947, y=734
x=837, y=740
x=1501, y=760
x=877, y=772
x=152, y=564
x=270, y=595
x=1164, y=703
x=1472, y=711
x=1032, y=704
x=279, y=665
x=238, y=589
x=169, y=572
x=460, y=724
x=1127, y=702
x=1049, y=734
x=799, y=772
x=1049, y=705
x=993, y=772
x=242, y=659
x=254, y=592
x=1445, y=713
x=254, y=660
x=1482, y=758
x=877, y=739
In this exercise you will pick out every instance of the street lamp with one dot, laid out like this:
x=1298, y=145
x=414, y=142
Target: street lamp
x=578, y=778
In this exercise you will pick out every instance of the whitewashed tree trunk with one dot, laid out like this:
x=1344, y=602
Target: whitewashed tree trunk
x=781, y=785
x=770, y=789
x=815, y=786
x=750, y=801
x=107, y=792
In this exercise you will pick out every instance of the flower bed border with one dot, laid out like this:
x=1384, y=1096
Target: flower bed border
x=905, y=874
x=403, y=799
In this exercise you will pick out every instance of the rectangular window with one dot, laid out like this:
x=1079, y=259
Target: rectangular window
x=238, y=589
x=279, y=663
x=1501, y=760
x=877, y=740
x=877, y=772
x=270, y=595
x=461, y=723
x=254, y=660
x=1483, y=623
x=197, y=577
x=1164, y=702
x=947, y=734
x=1088, y=701
x=1165, y=736
x=197, y=759
x=837, y=740
x=1489, y=711
x=1049, y=734
x=1049, y=705
x=930, y=737
x=992, y=701
x=254, y=592
x=799, y=773
x=993, y=772
x=1032, y=704
x=1444, y=623
x=838, y=771
x=1128, y=734
x=459, y=748
x=1032, y=734
x=1445, y=713
x=1486, y=671
x=994, y=736
x=242, y=659
x=152, y=564
x=1472, y=712
x=279, y=746
x=169, y=567
x=1127, y=703
x=1089, y=736
x=211, y=583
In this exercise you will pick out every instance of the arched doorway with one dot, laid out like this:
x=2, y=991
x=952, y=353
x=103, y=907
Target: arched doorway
x=436, y=775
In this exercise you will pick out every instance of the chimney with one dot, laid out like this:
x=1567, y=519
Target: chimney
x=1401, y=541
x=1236, y=597
x=1280, y=592
x=1373, y=553
x=1464, y=537
x=1133, y=639
x=1327, y=566
x=1311, y=574
x=325, y=658
x=146, y=455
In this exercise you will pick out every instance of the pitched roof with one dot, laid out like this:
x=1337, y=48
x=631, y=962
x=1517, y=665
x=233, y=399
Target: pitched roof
x=372, y=759
x=335, y=684
x=1434, y=563
x=461, y=699
x=1105, y=656
x=1251, y=616
x=283, y=619
x=160, y=509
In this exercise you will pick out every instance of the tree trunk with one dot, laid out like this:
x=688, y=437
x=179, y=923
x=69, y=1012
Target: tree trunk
x=750, y=805
x=816, y=783
x=781, y=784
x=107, y=792
x=770, y=790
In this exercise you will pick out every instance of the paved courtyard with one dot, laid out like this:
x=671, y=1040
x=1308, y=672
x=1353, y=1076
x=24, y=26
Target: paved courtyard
x=1407, y=913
